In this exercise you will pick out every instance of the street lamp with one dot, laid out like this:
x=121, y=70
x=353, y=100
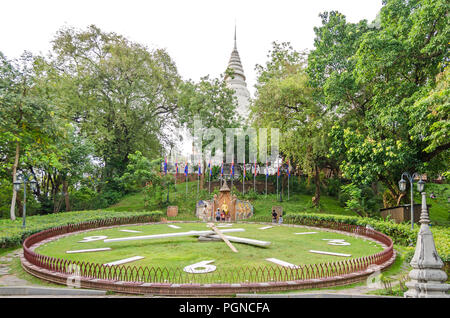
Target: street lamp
x=420, y=188
x=24, y=179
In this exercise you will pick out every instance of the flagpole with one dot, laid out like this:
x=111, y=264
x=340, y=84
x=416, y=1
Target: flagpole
x=254, y=177
x=176, y=173
x=231, y=172
x=289, y=176
x=267, y=171
x=277, y=177
x=198, y=178
x=186, y=174
x=243, y=178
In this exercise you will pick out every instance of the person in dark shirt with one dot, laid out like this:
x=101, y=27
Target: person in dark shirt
x=274, y=216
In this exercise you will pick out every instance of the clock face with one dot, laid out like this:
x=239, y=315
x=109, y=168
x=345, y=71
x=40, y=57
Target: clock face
x=175, y=246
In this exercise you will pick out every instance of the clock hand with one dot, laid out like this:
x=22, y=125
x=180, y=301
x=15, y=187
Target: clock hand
x=165, y=235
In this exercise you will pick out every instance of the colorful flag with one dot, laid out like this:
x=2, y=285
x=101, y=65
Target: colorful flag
x=232, y=168
x=254, y=172
x=186, y=169
x=244, y=166
x=176, y=168
x=199, y=169
x=165, y=165
x=267, y=169
x=210, y=167
x=278, y=171
x=221, y=170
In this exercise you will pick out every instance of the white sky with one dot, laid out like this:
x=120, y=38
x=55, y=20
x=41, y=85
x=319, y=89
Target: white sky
x=197, y=34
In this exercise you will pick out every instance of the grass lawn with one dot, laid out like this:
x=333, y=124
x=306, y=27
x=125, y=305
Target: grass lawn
x=440, y=206
x=183, y=251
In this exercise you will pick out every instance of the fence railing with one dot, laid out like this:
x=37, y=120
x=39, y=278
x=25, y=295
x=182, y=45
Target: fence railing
x=176, y=275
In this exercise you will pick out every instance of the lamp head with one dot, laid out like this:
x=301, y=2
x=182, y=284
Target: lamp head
x=33, y=184
x=17, y=185
x=402, y=185
x=420, y=185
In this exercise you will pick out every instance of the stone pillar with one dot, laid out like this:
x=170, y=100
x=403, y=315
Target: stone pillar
x=427, y=277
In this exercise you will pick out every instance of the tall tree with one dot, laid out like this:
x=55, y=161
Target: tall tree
x=119, y=93
x=285, y=101
x=25, y=116
x=390, y=66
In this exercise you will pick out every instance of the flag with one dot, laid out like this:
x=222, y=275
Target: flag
x=254, y=172
x=199, y=169
x=278, y=171
x=221, y=171
x=165, y=165
x=232, y=168
x=176, y=168
x=244, y=166
x=267, y=169
x=210, y=167
x=186, y=169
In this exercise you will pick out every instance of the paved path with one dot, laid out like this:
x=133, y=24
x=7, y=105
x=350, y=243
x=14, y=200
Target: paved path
x=13, y=286
x=6, y=277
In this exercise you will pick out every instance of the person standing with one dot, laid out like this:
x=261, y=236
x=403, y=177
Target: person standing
x=218, y=215
x=274, y=216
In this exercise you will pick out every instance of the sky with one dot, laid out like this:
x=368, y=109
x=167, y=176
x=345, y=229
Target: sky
x=197, y=34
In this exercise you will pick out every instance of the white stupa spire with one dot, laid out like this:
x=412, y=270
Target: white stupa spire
x=237, y=80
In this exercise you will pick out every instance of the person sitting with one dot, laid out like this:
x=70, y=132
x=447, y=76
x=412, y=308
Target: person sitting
x=222, y=216
x=432, y=195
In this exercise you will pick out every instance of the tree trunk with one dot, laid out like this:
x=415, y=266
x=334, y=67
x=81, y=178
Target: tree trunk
x=14, y=194
x=66, y=195
x=316, y=198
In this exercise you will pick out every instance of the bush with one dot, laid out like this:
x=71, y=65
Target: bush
x=399, y=233
x=12, y=234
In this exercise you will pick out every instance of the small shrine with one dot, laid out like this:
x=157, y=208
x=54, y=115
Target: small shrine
x=233, y=208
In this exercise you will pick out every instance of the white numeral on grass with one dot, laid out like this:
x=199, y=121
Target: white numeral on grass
x=92, y=238
x=337, y=242
x=200, y=268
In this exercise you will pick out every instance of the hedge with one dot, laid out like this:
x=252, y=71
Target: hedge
x=12, y=234
x=401, y=234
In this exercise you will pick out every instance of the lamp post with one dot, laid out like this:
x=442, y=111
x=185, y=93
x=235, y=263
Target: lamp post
x=420, y=188
x=24, y=179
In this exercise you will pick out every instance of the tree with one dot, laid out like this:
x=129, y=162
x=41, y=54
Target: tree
x=25, y=116
x=120, y=94
x=384, y=71
x=285, y=101
x=210, y=101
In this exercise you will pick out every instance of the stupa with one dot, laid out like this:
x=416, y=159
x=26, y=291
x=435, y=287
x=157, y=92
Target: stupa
x=237, y=81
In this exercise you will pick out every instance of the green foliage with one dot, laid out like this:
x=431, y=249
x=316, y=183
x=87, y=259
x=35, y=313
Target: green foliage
x=285, y=101
x=125, y=94
x=360, y=200
x=12, y=233
x=385, y=80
